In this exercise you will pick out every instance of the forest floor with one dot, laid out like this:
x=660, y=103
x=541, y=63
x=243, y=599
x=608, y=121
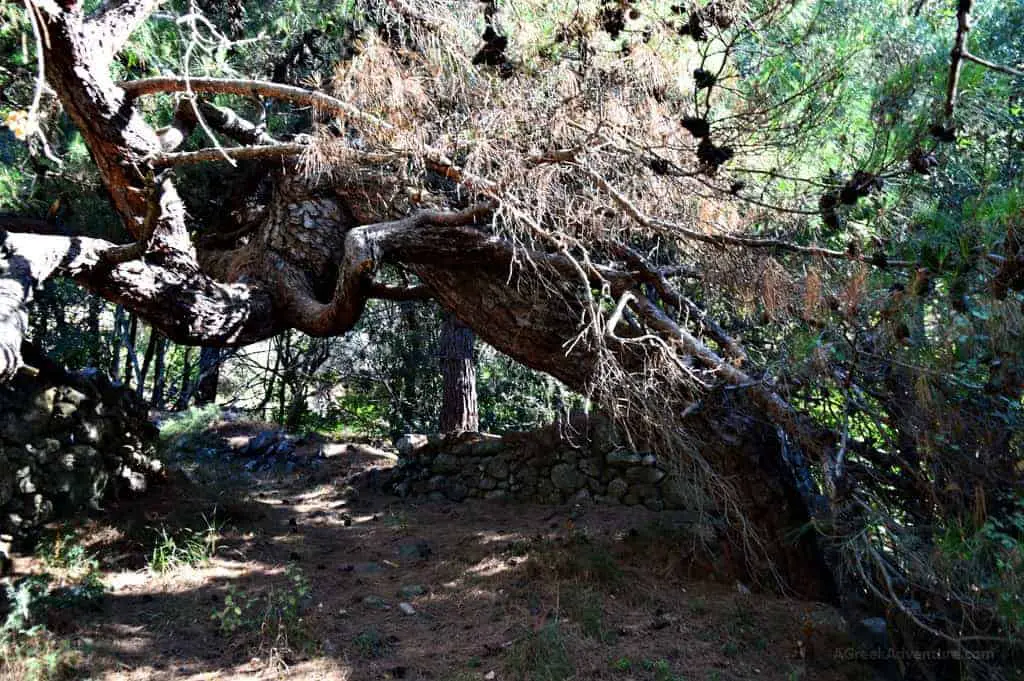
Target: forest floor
x=229, y=571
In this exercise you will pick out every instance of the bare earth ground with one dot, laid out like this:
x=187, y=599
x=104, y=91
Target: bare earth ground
x=497, y=591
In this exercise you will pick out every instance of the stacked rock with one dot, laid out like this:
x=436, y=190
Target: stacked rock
x=68, y=440
x=552, y=465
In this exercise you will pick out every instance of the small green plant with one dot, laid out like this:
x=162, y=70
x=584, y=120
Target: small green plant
x=274, y=617
x=63, y=551
x=474, y=662
x=86, y=594
x=540, y=656
x=663, y=671
x=187, y=547
x=231, y=617
x=622, y=664
x=24, y=598
x=371, y=645
x=36, y=655
x=28, y=652
x=731, y=649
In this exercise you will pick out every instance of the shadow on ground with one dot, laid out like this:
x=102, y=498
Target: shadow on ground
x=310, y=578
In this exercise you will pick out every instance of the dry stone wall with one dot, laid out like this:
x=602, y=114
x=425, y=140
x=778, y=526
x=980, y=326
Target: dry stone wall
x=583, y=461
x=67, y=441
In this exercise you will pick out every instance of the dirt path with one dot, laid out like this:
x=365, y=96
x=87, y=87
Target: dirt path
x=311, y=579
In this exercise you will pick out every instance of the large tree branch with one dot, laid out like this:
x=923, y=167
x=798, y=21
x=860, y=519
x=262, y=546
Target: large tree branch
x=166, y=288
x=963, y=26
x=269, y=151
x=249, y=88
x=959, y=54
x=120, y=140
x=113, y=23
x=1008, y=70
x=365, y=247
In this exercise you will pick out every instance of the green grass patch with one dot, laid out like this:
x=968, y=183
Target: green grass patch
x=540, y=656
x=192, y=421
x=585, y=606
x=184, y=547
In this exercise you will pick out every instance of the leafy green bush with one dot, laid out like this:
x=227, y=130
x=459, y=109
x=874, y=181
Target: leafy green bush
x=988, y=562
x=64, y=551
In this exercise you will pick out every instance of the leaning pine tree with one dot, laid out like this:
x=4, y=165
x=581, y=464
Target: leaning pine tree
x=582, y=190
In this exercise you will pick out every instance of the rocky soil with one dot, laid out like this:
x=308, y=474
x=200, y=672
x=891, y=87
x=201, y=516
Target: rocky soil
x=305, y=575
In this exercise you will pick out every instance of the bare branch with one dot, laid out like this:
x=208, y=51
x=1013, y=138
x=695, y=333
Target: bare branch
x=672, y=297
x=992, y=65
x=226, y=121
x=812, y=437
x=723, y=240
x=226, y=153
x=249, y=88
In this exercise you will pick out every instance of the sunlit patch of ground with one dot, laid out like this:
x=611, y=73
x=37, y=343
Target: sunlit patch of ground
x=325, y=583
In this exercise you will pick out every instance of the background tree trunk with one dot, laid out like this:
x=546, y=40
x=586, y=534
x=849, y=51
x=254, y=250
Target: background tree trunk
x=209, y=376
x=185, y=391
x=412, y=356
x=147, y=362
x=270, y=382
x=159, y=371
x=115, y=343
x=96, y=350
x=130, y=360
x=459, y=403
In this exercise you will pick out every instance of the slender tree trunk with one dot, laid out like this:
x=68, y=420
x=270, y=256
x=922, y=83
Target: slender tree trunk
x=130, y=360
x=159, y=371
x=184, y=392
x=147, y=361
x=209, y=376
x=412, y=357
x=93, y=325
x=459, y=404
x=59, y=312
x=268, y=393
x=287, y=374
x=296, y=408
x=40, y=327
x=115, y=350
